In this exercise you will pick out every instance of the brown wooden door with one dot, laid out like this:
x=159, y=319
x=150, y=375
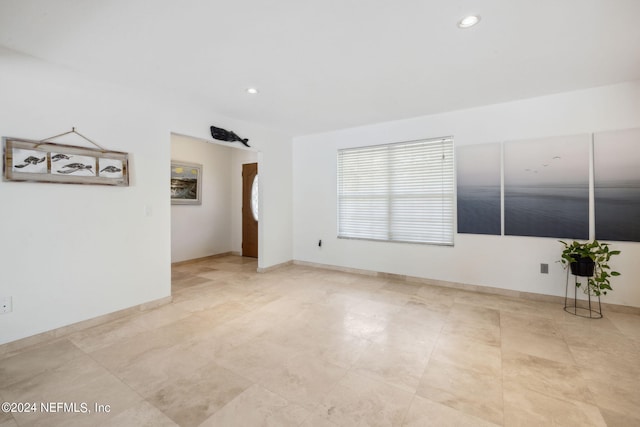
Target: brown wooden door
x=249, y=222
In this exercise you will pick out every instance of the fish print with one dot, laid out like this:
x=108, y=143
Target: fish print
x=59, y=157
x=111, y=169
x=75, y=167
x=31, y=160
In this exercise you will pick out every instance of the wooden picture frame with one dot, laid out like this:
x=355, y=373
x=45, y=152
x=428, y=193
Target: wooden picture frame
x=38, y=161
x=186, y=183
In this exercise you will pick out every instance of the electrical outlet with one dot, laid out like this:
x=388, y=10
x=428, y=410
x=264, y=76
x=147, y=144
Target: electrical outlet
x=5, y=305
x=544, y=268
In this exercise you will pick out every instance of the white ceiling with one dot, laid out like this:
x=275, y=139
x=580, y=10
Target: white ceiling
x=329, y=64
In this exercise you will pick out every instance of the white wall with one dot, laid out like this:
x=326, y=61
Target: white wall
x=504, y=262
x=201, y=230
x=72, y=252
x=276, y=207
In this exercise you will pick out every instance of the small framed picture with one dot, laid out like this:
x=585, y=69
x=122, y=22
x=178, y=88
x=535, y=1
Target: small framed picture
x=186, y=183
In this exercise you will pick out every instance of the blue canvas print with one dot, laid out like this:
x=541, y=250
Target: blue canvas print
x=546, y=187
x=617, y=185
x=478, y=182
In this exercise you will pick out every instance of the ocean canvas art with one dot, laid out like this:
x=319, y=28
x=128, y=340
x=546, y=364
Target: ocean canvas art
x=478, y=185
x=617, y=185
x=186, y=183
x=546, y=187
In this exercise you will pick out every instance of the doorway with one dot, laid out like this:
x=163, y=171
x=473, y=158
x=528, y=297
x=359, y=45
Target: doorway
x=215, y=226
x=250, y=183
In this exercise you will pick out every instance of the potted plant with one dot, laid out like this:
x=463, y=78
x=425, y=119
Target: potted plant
x=591, y=260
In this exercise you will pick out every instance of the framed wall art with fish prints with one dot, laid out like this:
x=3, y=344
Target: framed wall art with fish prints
x=39, y=161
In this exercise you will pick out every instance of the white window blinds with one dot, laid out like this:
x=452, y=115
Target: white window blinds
x=401, y=192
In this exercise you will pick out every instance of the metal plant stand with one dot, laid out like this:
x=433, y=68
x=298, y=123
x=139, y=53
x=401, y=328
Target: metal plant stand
x=590, y=311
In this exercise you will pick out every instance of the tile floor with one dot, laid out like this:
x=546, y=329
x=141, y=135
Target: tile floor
x=300, y=346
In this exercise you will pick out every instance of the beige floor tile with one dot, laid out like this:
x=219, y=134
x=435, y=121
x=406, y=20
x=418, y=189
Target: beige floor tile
x=402, y=287
x=400, y=366
x=317, y=421
x=79, y=382
x=615, y=419
x=605, y=346
x=212, y=339
x=482, y=333
x=322, y=318
x=395, y=302
x=614, y=391
x=549, y=377
x=107, y=334
x=523, y=307
x=191, y=269
x=434, y=304
x=345, y=300
x=221, y=313
x=577, y=327
x=517, y=323
x=187, y=281
x=378, y=305
x=34, y=360
x=128, y=352
x=472, y=392
x=255, y=359
x=343, y=321
x=259, y=321
x=545, y=346
x=599, y=340
x=424, y=412
x=160, y=316
x=318, y=341
x=257, y=406
x=151, y=371
x=219, y=274
x=483, y=301
x=142, y=414
x=472, y=314
x=628, y=324
x=266, y=301
x=303, y=380
x=403, y=331
x=342, y=350
x=471, y=355
x=524, y=407
x=6, y=419
x=203, y=296
x=361, y=401
x=437, y=294
x=190, y=400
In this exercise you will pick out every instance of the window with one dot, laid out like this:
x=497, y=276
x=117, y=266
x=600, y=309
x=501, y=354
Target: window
x=401, y=192
x=254, y=198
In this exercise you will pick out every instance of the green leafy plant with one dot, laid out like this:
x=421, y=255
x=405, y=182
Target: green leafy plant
x=600, y=254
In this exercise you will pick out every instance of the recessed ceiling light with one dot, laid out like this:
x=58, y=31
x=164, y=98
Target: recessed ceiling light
x=252, y=90
x=469, y=21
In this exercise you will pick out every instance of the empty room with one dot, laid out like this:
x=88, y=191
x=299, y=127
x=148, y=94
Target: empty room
x=338, y=213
